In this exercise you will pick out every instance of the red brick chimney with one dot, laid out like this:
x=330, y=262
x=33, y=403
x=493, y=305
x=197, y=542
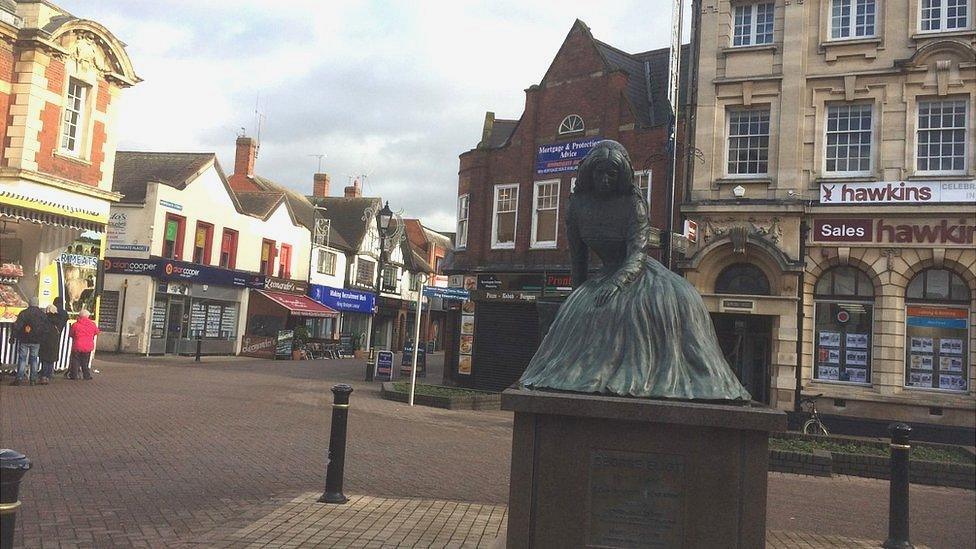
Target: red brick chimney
x=320, y=185
x=354, y=190
x=247, y=151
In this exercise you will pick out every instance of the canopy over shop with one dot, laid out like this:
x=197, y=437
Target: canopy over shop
x=269, y=313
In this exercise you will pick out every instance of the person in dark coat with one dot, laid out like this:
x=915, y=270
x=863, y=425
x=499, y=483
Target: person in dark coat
x=51, y=346
x=29, y=330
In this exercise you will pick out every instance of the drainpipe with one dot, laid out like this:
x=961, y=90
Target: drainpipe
x=804, y=229
x=125, y=290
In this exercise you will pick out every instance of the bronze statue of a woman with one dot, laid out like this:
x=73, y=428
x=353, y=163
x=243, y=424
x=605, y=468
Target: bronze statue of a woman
x=637, y=329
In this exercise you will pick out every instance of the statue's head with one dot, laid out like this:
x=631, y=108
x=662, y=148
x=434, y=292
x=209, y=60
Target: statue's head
x=606, y=170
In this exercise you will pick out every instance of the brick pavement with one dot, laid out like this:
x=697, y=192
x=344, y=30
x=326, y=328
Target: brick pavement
x=160, y=451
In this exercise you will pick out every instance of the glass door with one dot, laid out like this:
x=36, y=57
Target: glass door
x=174, y=325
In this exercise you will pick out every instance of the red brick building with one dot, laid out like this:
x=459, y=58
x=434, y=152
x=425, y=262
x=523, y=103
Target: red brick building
x=514, y=187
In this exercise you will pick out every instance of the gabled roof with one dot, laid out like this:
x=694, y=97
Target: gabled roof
x=300, y=207
x=501, y=131
x=259, y=203
x=346, y=218
x=135, y=170
x=413, y=258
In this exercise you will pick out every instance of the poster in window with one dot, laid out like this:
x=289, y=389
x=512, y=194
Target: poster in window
x=950, y=346
x=950, y=363
x=828, y=372
x=467, y=324
x=920, y=379
x=857, y=341
x=464, y=365
x=856, y=358
x=952, y=382
x=857, y=375
x=228, y=321
x=921, y=362
x=467, y=343
x=830, y=339
x=213, y=320
x=922, y=345
x=158, y=321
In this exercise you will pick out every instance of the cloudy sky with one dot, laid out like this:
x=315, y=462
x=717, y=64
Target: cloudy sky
x=395, y=90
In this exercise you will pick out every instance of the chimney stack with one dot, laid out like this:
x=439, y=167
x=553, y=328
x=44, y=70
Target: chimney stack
x=247, y=151
x=320, y=185
x=354, y=190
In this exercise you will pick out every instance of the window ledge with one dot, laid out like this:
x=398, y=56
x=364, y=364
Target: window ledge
x=503, y=246
x=759, y=47
x=928, y=35
x=543, y=246
x=847, y=179
x=941, y=177
x=734, y=180
x=72, y=158
x=864, y=47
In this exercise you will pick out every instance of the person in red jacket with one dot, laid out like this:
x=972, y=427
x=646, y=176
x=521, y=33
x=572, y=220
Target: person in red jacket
x=83, y=333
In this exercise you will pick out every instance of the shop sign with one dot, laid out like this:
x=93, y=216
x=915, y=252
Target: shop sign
x=458, y=294
x=691, y=231
x=343, y=300
x=406, y=364
x=563, y=157
x=117, y=234
x=532, y=282
x=898, y=192
x=257, y=346
x=168, y=269
x=737, y=304
x=284, y=344
x=559, y=283
x=285, y=285
x=171, y=205
x=941, y=231
x=509, y=296
x=931, y=317
x=384, y=366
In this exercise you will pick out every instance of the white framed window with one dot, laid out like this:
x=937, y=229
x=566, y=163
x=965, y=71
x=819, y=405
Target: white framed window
x=571, y=124
x=852, y=19
x=642, y=180
x=943, y=15
x=73, y=121
x=940, y=140
x=462, y=221
x=326, y=263
x=545, y=214
x=752, y=24
x=504, y=217
x=748, y=145
x=848, y=139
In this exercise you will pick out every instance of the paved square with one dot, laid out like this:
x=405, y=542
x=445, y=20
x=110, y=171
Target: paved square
x=158, y=452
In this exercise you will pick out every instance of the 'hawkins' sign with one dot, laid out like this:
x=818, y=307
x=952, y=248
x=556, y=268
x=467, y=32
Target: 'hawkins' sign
x=895, y=192
x=896, y=232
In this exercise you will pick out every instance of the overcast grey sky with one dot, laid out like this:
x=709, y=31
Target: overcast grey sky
x=396, y=90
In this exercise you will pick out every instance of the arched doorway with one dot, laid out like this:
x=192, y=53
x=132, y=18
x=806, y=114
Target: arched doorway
x=745, y=339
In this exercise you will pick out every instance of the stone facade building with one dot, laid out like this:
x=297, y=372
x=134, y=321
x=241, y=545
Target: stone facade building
x=836, y=202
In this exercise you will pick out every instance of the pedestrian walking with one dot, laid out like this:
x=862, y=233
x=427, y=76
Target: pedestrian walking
x=51, y=346
x=29, y=331
x=83, y=333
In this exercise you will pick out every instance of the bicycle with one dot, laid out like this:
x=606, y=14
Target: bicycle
x=813, y=426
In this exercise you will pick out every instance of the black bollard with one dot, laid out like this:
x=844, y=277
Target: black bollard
x=13, y=467
x=898, y=495
x=337, y=446
x=199, y=343
x=370, y=364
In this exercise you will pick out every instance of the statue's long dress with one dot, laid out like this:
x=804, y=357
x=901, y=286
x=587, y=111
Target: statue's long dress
x=654, y=338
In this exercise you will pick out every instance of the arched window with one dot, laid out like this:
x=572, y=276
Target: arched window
x=843, y=312
x=937, y=331
x=742, y=278
x=571, y=124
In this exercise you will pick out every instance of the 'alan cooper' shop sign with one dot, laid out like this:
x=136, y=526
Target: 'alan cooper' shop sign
x=898, y=192
x=899, y=231
x=563, y=157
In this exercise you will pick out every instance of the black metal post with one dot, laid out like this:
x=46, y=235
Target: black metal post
x=199, y=343
x=370, y=364
x=337, y=446
x=898, y=496
x=13, y=467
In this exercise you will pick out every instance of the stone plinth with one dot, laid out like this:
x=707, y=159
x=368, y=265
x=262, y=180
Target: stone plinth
x=601, y=471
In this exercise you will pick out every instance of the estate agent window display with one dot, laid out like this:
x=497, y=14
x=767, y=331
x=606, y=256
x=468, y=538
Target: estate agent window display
x=937, y=331
x=844, y=303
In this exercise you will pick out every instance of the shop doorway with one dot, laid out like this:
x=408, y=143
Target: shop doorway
x=174, y=326
x=746, y=342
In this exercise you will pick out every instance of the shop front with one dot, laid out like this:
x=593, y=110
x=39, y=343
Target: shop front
x=272, y=313
x=355, y=308
x=163, y=306
x=491, y=337
x=51, y=242
x=890, y=309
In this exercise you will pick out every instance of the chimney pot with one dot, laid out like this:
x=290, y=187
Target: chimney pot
x=353, y=191
x=247, y=151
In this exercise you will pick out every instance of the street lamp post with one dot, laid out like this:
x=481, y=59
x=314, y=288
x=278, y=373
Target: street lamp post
x=383, y=219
